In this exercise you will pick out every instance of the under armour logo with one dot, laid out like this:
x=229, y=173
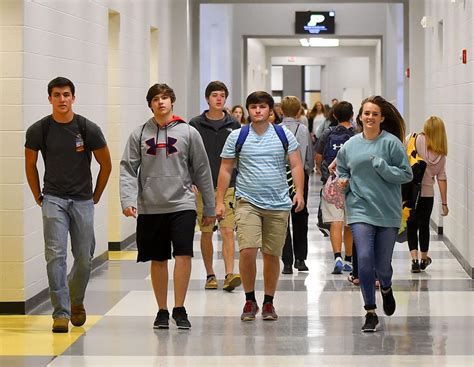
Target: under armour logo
x=169, y=146
x=336, y=147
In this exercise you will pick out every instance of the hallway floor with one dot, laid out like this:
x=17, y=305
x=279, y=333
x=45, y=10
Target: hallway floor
x=320, y=316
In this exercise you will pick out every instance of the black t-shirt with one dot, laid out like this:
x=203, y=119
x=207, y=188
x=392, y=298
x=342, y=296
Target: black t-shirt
x=67, y=167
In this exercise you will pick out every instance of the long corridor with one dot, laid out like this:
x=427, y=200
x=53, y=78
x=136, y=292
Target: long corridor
x=320, y=316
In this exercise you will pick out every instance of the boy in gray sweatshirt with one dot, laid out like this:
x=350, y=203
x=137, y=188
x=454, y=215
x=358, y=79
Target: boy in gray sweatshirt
x=161, y=161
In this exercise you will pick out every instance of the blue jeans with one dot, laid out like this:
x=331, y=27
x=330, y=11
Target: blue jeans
x=374, y=255
x=61, y=216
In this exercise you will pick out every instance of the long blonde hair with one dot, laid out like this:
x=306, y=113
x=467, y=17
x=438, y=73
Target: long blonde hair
x=435, y=133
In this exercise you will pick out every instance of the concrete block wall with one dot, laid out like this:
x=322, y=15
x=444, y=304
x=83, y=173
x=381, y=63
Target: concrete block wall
x=42, y=39
x=13, y=217
x=449, y=93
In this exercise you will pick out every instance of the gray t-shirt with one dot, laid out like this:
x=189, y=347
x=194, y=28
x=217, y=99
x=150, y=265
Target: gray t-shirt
x=67, y=165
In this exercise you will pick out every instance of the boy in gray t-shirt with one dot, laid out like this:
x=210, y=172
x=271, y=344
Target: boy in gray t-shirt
x=67, y=142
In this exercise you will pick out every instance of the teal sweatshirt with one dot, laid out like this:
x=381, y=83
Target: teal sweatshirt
x=375, y=170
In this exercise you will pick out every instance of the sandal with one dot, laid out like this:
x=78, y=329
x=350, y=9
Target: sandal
x=353, y=280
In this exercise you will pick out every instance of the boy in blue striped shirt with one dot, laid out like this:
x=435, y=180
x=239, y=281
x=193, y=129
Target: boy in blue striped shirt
x=263, y=202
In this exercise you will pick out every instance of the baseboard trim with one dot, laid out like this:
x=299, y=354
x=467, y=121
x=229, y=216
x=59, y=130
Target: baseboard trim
x=24, y=307
x=459, y=257
x=119, y=246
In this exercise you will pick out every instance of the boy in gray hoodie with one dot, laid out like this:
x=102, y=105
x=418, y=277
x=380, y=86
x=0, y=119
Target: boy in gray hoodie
x=161, y=161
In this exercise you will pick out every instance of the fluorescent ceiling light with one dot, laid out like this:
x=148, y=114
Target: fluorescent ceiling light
x=319, y=42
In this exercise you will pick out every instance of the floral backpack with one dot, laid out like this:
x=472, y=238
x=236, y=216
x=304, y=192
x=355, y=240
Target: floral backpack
x=332, y=192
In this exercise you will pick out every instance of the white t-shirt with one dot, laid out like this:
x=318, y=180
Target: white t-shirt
x=318, y=120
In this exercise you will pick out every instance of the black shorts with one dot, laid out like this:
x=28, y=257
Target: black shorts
x=156, y=233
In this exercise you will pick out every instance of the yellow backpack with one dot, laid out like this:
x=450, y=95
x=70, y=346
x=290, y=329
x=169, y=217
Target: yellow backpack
x=411, y=191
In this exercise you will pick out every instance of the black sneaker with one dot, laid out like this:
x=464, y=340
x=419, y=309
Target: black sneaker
x=180, y=318
x=300, y=265
x=287, y=269
x=388, y=302
x=371, y=322
x=415, y=266
x=162, y=320
x=425, y=262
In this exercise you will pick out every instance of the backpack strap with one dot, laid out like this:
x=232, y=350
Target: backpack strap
x=281, y=134
x=244, y=132
x=81, y=123
x=45, y=124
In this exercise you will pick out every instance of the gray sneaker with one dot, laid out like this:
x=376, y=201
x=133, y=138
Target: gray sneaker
x=268, y=312
x=250, y=311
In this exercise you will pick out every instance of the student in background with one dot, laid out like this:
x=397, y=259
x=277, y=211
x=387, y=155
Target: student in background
x=214, y=125
x=297, y=244
x=432, y=146
x=239, y=114
x=329, y=145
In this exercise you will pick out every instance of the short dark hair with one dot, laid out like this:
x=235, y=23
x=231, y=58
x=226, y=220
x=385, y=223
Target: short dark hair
x=343, y=111
x=61, y=82
x=156, y=89
x=216, y=86
x=259, y=97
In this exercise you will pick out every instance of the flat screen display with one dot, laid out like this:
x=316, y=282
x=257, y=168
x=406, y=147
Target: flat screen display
x=312, y=22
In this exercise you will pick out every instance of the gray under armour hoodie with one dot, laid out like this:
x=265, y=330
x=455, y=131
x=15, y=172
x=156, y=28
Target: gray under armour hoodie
x=159, y=165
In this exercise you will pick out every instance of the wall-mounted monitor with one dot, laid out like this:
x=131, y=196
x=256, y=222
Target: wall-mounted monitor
x=315, y=22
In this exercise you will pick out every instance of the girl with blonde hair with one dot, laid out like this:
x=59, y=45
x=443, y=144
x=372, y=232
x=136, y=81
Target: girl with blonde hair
x=432, y=146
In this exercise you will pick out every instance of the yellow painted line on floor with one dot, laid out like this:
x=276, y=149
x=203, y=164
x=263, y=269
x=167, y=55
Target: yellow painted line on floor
x=32, y=336
x=122, y=255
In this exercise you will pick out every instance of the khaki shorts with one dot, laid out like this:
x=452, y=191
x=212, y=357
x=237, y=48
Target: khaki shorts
x=261, y=228
x=228, y=221
x=331, y=213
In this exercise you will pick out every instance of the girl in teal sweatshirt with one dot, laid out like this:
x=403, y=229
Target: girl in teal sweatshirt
x=372, y=166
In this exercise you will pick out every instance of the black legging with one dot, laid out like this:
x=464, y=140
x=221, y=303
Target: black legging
x=420, y=223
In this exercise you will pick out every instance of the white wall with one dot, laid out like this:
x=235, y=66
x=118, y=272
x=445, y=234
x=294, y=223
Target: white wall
x=342, y=67
x=449, y=93
x=42, y=39
x=215, y=49
x=258, y=75
x=416, y=82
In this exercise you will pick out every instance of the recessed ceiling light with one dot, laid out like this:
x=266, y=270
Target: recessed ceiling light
x=319, y=42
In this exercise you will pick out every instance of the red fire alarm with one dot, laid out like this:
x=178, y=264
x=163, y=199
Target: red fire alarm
x=464, y=56
x=407, y=72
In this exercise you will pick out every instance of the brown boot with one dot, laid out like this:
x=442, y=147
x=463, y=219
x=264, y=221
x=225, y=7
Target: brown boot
x=60, y=325
x=78, y=315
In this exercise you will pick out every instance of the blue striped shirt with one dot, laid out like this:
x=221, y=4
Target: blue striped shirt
x=261, y=177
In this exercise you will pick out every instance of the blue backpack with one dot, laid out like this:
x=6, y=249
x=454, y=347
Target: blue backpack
x=244, y=132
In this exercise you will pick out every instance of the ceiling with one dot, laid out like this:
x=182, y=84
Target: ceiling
x=294, y=42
